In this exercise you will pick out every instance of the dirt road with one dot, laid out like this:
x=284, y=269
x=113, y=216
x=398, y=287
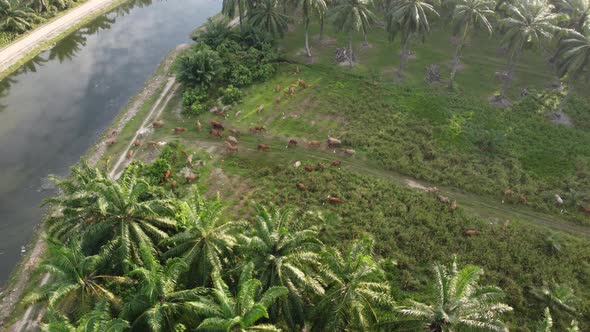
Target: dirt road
x=12, y=53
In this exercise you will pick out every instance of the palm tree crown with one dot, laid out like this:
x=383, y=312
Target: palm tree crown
x=461, y=302
x=351, y=16
x=267, y=17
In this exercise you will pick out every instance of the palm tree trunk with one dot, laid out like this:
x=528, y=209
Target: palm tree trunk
x=321, y=27
x=350, y=49
x=241, y=14
x=402, y=58
x=307, y=37
x=366, y=39
x=565, y=99
x=509, y=72
x=456, y=59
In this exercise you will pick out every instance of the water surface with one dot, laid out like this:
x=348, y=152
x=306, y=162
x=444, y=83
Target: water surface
x=55, y=107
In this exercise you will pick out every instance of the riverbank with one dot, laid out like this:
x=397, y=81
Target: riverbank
x=31, y=44
x=22, y=278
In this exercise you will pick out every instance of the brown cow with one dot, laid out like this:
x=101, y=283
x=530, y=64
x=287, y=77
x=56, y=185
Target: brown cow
x=278, y=100
x=297, y=70
x=152, y=144
x=506, y=223
x=309, y=168
x=219, y=113
x=235, y=132
x=291, y=91
x=336, y=163
x=333, y=142
x=230, y=148
x=321, y=167
x=217, y=125
x=585, y=209
x=335, y=200
x=453, y=206
x=315, y=143
x=443, y=199
x=278, y=88
x=302, y=84
x=137, y=142
x=301, y=186
x=174, y=183
x=129, y=154
x=349, y=152
x=258, y=129
x=158, y=124
x=179, y=130
x=508, y=192
x=263, y=147
x=199, y=126
x=111, y=141
x=260, y=108
x=166, y=175
x=523, y=200
x=232, y=140
x=215, y=132
x=471, y=232
x=292, y=142
x=190, y=178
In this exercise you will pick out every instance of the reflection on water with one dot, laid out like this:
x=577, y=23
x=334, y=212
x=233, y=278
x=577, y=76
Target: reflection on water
x=54, y=107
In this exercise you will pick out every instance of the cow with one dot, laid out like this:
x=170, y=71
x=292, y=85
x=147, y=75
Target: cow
x=302, y=84
x=260, y=108
x=349, y=152
x=506, y=224
x=297, y=164
x=336, y=163
x=297, y=70
x=166, y=176
x=230, y=148
x=236, y=132
x=137, y=142
x=453, y=206
x=292, y=143
x=321, y=167
x=263, y=147
x=278, y=88
x=219, y=113
x=158, y=124
x=585, y=209
x=258, y=129
x=443, y=199
x=301, y=186
x=217, y=125
x=129, y=154
x=190, y=178
x=278, y=100
x=309, y=168
x=471, y=232
x=111, y=141
x=232, y=140
x=215, y=132
x=173, y=183
x=333, y=142
x=179, y=130
x=523, y=200
x=335, y=200
x=152, y=144
x=199, y=126
x=508, y=192
x=558, y=200
x=291, y=91
x=315, y=144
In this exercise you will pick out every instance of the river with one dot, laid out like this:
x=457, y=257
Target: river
x=55, y=107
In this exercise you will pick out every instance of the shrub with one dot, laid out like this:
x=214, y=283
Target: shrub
x=214, y=34
x=242, y=67
x=199, y=67
x=196, y=101
x=230, y=95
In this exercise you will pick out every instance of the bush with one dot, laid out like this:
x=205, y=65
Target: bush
x=230, y=95
x=244, y=66
x=196, y=101
x=199, y=67
x=214, y=34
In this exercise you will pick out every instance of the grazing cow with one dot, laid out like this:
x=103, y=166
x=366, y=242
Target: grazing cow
x=301, y=186
x=235, y=132
x=230, y=148
x=291, y=91
x=453, y=206
x=431, y=190
x=471, y=232
x=219, y=113
x=190, y=178
x=523, y=200
x=263, y=147
x=232, y=140
x=173, y=183
x=179, y=130
x=585, y=209
x=189, y=159
x=297, y=164
x=309, y=168
x=278, y=100
x=506, y=224
x=111, y=141
x=333, y=142
x=158, y=124
x=215, y=132
x=258, y=129
x=217, y=125
x=316, y=144
x=336, y=163
x=335, y=200
x=297, y=70
x=166, y=176
x=321, y=167
x=152, y=144
x=199, y=126
x=558, y=200
x=292, y=143
x=508, y=192
x=302, y=84
x=137, y=142
x=443, y=199
x=278, y=88
x=349, y=152
x=260, y=108
x=129, y=154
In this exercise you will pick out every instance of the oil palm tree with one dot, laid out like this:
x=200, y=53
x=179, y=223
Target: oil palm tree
x=308, y=7
x=578, y=12
x=125, y=213
x=408, y=18
x=267, y=17
x=159, y=303
x=229, y=8
x=322, y=17
x=573, y=61
x=529, y=24
x=97, y=320
x=461, y=303
x=546, y=324
x=356, y=290
x=206, y=239
x=558, y=297
x=285, y=257
x=77, y=282
x=224, y=311
x=350, y=16
x=16, y=16
x=468, y=15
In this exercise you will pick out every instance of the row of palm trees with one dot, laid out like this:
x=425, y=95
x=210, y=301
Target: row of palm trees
x=21, y=15
x=559, y=25
x=124, y=254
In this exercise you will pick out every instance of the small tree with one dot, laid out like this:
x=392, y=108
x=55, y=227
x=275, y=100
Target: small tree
x=573, y=61
x=199, y=67
x=351, y=16
x=267, y=17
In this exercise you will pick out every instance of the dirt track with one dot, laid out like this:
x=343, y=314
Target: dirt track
x=12, y=53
